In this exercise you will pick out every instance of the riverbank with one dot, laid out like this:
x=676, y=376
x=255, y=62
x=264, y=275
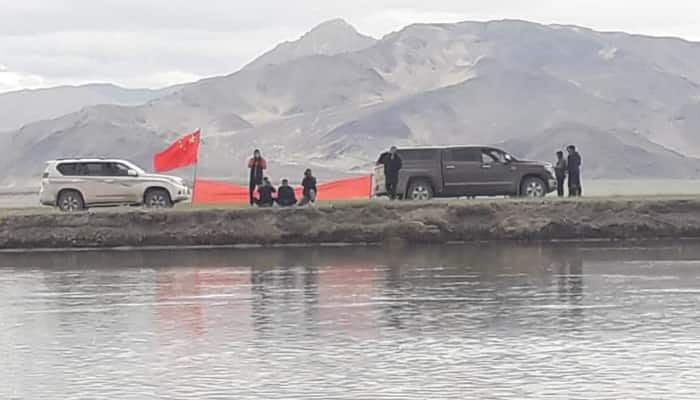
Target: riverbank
x=359, y=223
x=28, y=196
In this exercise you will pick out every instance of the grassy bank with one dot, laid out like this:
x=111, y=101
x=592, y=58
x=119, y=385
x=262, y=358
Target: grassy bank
x=359, y=222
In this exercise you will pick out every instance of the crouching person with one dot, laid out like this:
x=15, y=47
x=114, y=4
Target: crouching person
x=310, y=191
x=285, y=195
x=265, y=194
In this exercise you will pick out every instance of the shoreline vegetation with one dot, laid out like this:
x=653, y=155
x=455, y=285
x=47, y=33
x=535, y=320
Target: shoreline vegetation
x=357, y=223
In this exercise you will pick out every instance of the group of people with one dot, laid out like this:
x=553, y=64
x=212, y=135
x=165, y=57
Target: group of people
x=284, y=196
x=569, y=167
x=566, y=168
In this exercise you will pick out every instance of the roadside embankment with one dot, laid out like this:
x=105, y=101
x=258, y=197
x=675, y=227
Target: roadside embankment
x=369, y=222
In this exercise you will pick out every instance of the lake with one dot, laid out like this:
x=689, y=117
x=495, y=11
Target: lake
x=594, y=321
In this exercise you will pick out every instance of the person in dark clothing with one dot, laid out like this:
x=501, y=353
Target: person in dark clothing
x=265, y=192
x=285, y=195
x=573, y=167
x=309, y=189
x=560, y=171
x=392, y=165
x=256, y=165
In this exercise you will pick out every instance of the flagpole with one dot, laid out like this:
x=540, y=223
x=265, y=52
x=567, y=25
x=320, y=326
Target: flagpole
x=194, y=184
x=196, y=165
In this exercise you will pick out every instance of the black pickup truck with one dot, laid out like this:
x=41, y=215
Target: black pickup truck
x=466, y=171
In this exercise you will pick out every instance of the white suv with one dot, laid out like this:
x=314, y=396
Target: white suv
x=76, y=184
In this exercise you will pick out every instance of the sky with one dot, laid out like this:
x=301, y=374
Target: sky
x=155, y=43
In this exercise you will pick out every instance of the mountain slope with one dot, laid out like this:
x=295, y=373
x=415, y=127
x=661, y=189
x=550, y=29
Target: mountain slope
x=309, y=84
x=624, y=154
x=531, y=87
x=22, y=107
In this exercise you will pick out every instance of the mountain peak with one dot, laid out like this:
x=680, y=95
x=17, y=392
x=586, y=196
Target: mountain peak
x=329, y=38
x=337, y=24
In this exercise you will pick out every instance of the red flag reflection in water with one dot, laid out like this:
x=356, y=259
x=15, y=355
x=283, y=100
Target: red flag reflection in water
x=175, y=301
x=346, y=296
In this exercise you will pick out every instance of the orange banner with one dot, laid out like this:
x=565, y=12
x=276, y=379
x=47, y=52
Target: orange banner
x=216, y=192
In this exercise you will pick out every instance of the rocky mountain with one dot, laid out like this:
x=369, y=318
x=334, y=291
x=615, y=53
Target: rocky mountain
x=25, y=106
x=329, y=38
x=631, y=103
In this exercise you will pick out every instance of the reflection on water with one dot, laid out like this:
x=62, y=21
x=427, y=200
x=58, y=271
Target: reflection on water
x=490, y=322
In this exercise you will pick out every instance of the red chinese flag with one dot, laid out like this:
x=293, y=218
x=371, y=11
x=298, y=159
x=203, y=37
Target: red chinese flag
x=180, y=154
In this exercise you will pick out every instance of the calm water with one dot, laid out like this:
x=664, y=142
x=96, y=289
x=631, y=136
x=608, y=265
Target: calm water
x=484, y=322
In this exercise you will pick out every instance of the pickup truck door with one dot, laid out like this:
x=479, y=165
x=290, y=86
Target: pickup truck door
x=497, y=175
x=460, y=169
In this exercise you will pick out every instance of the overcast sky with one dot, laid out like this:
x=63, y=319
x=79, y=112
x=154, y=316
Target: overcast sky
x=153, y=43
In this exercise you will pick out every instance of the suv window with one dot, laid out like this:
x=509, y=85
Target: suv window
x=418, y=155
x=466, y=155
x=115, y=169
x=92, y=169
x=68, y=169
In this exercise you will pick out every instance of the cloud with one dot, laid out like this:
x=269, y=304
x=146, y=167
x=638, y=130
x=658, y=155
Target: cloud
x=10, y=80
x=133, y=58
x=159, y=42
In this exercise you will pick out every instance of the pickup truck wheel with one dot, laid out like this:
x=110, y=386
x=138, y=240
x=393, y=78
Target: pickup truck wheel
x=533, y=187
x=158, y=198
x=70, y=200
x=420, y=191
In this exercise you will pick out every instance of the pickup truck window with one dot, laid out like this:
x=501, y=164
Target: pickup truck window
x=487, y=158
x=497, y=156
x=418, y=155
x=465, y=155
x=494, y=156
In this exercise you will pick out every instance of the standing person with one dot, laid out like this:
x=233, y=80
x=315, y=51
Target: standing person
x=560, y=170
x=392, y=165
x=265, y=192
x=309, y=189
x=256, y=165
x=285, y=195
x=574, y=169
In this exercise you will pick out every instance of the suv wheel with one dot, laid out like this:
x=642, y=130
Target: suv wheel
x=158, y=198
x=70, y=201
x=533, y=187
x=420, y=191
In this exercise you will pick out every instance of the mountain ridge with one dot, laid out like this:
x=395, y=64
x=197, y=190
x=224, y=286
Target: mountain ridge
x=504, y=82
x=20, y=107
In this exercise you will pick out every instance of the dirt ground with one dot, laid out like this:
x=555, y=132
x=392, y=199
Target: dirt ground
x=358, y=223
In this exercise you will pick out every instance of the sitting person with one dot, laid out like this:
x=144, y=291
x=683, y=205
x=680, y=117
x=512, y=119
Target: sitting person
x=265, y=192
x=310, y=192
x=285, y=195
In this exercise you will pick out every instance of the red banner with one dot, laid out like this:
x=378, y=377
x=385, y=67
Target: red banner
x=217, y=192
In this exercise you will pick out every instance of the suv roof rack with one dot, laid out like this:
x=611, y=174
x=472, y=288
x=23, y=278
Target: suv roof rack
x=81, y=158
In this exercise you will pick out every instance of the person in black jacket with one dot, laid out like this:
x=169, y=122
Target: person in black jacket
x=574, y=169
x=285, y=195
x=309, y=189
x=265, y=192
x=392, y=165
x=560, y=171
